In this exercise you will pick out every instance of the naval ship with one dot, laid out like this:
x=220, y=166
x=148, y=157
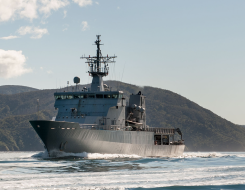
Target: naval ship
x=101, y=120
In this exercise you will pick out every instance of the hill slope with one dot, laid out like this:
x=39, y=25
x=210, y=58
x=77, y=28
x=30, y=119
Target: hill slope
x=14, y=89
x=202, y=129
x=17, y=134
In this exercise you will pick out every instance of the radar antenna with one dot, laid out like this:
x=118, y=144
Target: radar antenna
x=95, y=62
x=96, y=69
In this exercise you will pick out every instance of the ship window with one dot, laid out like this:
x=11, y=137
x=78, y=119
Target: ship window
x=99, y=95
x=72, y=128
x=91, y=95
x=57, y=97
x=63, y=97
x=83, y=96
x=67, y=128
x=52, y=128
x=120, y=95
x=76, y=96
x=114, y=95
x=38, y=126
x=69, y=97
x=107, y=96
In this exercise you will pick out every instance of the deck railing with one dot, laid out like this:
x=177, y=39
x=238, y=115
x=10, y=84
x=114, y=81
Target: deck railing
x=126, y=128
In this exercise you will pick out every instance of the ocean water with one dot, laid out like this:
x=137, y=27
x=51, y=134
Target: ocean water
x=193, y=170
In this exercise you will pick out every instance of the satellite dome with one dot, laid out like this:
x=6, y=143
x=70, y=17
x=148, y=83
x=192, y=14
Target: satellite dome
x=76, y=80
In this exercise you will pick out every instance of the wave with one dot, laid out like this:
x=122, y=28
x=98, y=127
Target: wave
x=186, y=155
x=60, y=154
x=212, y=155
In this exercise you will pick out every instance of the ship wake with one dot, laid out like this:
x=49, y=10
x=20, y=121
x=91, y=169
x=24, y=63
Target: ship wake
x=84, y=155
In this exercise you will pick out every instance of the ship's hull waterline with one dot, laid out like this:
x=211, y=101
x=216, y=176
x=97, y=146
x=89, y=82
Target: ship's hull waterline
x=69, y=137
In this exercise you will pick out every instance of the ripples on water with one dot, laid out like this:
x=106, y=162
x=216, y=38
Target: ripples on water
x=194, y=170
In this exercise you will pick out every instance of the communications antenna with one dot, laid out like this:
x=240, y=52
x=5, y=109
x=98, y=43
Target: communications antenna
x=96, y=68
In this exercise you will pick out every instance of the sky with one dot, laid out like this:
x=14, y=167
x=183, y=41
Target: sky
x=193, y=48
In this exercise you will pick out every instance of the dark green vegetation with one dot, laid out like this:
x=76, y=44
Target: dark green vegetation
x=14, y=89
x=202, y=129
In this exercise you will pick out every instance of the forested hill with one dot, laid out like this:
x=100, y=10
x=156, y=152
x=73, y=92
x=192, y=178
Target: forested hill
x=14, y=89
x=202, y=130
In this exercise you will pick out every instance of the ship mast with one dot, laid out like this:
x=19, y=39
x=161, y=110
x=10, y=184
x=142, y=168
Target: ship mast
x=96, y=70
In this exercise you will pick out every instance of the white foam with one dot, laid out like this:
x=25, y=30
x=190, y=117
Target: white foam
x=211, y=154
x=59, y=154
x=48, y=174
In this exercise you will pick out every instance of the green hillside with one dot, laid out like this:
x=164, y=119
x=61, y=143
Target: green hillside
x=202, y=129
x=17, y=134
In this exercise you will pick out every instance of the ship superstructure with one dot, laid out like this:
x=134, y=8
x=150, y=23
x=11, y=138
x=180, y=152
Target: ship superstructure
x=99, y=120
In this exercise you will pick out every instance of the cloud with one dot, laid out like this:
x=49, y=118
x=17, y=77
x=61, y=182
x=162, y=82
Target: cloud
x=49, y=72
x=8, y=37
x=36, y=32
x=65, y=13
x=12, y=64
x=41, y=68
x=85, y=25
x=12, y=9
x=83, y=3
x=32, y=9
x=97, y=3
x=49, y=5
x=118, y=7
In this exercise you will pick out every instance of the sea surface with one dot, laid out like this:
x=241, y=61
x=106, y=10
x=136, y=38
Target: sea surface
x=193, y=170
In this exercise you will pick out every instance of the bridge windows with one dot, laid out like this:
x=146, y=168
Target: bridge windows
x=82, y=96
x=99, y=95
x=57, y=97
x=63, y=97
x=69, y=97
x=107, y=96
x=75, y=96
x=91, y=96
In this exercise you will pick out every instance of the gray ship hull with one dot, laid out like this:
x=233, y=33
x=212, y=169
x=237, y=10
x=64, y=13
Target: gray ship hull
x=70, y=137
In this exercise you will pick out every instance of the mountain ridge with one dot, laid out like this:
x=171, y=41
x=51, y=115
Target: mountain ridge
x=202, y=129
x=15, y=89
